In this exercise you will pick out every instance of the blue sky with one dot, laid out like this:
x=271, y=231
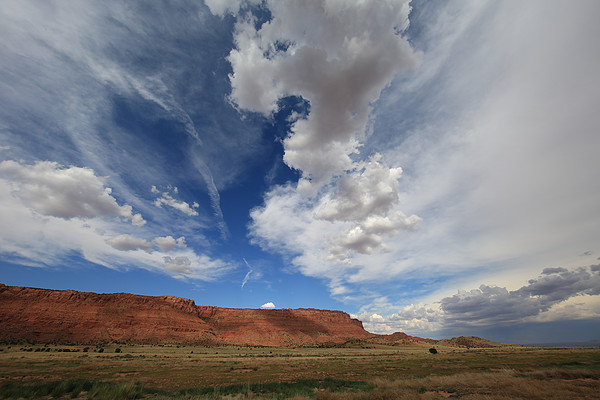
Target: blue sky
x=428, y=167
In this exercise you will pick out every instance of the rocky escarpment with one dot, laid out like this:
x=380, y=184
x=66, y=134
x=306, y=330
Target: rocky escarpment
x=67, y=316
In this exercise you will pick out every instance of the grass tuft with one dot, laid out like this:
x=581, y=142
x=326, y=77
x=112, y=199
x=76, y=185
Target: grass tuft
x=280, y=390
x=73, y=388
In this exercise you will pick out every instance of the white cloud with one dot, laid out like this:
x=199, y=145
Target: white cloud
x=41, y=231
x=194, y=266
x=215, y=197
x=64, y=192
x=576, y=307
x=178, y=264
x=248, y=274
x=286, y=224
x=413, y=320
x=166, y=199
x=168, y=243
x=337, y=250
x=268, y=305
x=370, y=189
x=222, y=7
x=67, y=75
x=341, y=206
x=497, y=150
x=138, y=220
x=340, y=66
x=497, y=147
x=366, y=197
x=155, y=90
x=246, y=278
x=129, y=243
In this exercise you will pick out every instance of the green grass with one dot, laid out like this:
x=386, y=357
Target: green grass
x=72, y=388
x=110, y=391
x=280, y=390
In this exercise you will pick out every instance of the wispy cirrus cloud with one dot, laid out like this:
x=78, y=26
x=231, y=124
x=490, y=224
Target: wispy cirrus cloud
x=248, y=274
x=82, y=83
x=485, y=138
x=495, y=148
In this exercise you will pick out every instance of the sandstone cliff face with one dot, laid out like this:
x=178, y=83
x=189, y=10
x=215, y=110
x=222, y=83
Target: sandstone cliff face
x=52, y=316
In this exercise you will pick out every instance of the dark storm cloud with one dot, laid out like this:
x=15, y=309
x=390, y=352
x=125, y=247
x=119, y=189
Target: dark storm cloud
x=491, y=304
x=562, y=285
x=548, y=271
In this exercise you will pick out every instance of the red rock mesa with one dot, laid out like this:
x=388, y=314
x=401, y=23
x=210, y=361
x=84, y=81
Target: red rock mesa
x=66, y=316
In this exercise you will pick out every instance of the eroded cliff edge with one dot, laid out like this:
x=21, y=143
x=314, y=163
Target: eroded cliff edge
x=67, y=316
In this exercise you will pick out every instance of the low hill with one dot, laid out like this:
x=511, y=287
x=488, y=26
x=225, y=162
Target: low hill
x=471, y=342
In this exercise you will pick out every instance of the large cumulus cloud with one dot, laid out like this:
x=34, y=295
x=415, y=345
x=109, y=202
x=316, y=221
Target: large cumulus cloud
x=65, y=192
x=338, y=57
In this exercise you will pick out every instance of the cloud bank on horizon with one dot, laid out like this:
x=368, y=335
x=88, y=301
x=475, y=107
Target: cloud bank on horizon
x=432, y=167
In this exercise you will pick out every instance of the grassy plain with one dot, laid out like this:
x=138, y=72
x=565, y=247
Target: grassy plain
x=378, y=372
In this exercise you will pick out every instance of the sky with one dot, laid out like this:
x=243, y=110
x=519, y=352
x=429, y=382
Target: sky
x=429, y=167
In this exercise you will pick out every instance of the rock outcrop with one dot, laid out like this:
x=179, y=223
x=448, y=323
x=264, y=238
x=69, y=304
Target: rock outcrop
x=67, y=316
x=472, y=342
x=401, y=338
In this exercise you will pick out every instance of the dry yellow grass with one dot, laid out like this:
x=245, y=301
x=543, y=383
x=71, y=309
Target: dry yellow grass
x=501, y=385
x=393, y=372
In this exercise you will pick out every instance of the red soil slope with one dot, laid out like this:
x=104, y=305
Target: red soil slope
x=402, y=338
x=57, y=316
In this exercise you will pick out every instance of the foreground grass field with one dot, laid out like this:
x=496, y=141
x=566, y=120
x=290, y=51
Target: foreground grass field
x=180, y=372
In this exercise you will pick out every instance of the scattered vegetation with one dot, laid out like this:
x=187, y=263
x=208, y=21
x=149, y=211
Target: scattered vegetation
x=381, y=372
x=304, y=388
x=72, y=388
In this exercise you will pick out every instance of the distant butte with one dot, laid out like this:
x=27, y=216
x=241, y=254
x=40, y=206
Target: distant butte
x=70, y=317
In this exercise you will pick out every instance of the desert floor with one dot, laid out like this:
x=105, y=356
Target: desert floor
x=379, y=372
